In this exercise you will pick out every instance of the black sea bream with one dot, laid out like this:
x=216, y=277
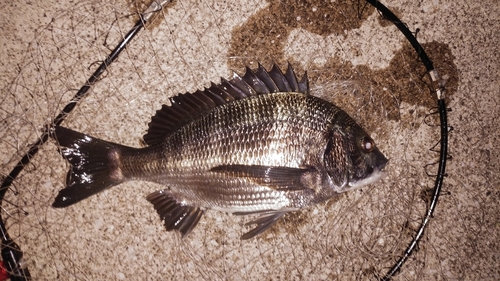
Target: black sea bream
x=254, y=144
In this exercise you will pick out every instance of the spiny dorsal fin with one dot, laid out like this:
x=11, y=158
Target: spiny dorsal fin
x=189, y=106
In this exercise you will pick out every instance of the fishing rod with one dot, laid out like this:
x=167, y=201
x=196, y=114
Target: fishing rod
x=11, y=253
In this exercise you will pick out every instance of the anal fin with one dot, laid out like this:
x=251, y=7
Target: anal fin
x=175, y=215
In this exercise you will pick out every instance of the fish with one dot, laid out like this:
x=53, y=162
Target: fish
x=254, y=144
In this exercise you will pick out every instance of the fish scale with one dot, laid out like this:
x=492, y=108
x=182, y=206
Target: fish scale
x=266, y=147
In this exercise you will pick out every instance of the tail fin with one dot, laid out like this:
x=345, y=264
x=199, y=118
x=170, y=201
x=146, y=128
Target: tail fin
x=96, y=165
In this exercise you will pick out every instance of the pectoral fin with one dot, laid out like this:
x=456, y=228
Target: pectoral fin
x=265, y=221
x=278, y=178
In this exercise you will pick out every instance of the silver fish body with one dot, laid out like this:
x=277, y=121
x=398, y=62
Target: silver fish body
x=255, y=144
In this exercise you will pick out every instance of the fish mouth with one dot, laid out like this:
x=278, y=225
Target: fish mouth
x=377, y=174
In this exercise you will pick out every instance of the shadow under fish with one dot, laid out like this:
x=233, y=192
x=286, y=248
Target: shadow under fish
x=259, y=143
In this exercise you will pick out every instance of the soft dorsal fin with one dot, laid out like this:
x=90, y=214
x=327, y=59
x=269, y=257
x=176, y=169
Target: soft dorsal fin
x=187, y=107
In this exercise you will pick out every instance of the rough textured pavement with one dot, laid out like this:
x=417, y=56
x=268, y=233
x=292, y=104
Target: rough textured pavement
x=352, y=56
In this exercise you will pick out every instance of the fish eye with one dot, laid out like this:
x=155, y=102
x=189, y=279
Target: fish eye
x=368, y=144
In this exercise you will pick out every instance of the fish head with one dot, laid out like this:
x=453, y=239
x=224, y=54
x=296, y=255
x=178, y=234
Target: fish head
x=352, y=159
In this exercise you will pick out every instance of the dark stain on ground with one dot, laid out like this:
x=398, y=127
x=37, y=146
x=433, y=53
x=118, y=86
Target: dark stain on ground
x=408, y=73
x=379, y=92
x=265, y=33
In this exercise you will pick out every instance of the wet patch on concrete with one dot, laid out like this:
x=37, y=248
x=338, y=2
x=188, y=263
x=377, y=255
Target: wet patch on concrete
x=263, y=36
x=356, y=89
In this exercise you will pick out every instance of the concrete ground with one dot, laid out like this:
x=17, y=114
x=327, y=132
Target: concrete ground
x=352, y=57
